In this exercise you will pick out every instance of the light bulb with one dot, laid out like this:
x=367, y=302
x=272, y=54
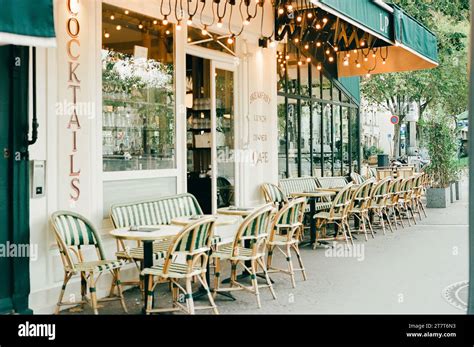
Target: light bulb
x=106, y=35
x=318, y=26
x=230, y=40
x=374, y=55
x=368, y=75
x=299, y=19
x=325, y=20
x=300, y=63
x=189, y=39
x=310, y=15
x=306, y=46
x=165, y=21
x=281, y=11
x=204, y=31
x=328, y=51
x=319, y=67
x=358, y=65
x=348, y=55
x=336, y=49
x=118, y=27
x=155, y=22
x=355, y=50
x=318, y=44
x=287, y=57
x=297, y=40
x=178, y=26
x=219, y=23
x=384, y=62
x=362, y=43
x=246, y=21
x=127, y=11
x=331, y=59
x=167, y=32
x=272, y=44
x=140, y=26
x=308, y=60
x=112, y=17
x=290, y=7
x=366, y=59
x=190, y=21
x=346, y=62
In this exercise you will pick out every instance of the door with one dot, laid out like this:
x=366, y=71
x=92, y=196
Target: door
x=223, y=117
x=6, y=303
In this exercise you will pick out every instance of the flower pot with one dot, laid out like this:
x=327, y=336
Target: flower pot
x=438, y=197
x=457, y=186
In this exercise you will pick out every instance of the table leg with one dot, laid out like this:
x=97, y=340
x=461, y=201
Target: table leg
x=147, y=263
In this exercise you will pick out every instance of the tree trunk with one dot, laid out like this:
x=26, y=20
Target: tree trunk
x=396, y=140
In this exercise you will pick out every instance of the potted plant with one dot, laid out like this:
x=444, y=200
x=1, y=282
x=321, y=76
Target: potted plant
x=443, y=168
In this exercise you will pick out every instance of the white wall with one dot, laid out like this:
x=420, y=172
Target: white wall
x=255, y=73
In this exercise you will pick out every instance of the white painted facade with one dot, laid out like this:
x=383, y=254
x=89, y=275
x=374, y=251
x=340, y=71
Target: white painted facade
x=255, y=72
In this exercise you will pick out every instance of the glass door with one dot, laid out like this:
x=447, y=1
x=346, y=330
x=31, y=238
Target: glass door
x=223, y=164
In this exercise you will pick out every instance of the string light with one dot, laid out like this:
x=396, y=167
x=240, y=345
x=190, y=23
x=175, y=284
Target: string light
x=325, y=20
x=346, y=62
x=308, y=60
x=204, y=30
x=165, y=20
x=155, y=22
x=318, y=26
x=318, y=44
x=127, y=12
x=106, y=35
x=230, y=40
x=358, y=64
x=300, y=63
x=178, y=25
x=310, y=15
x=319, y=67
x=219, y=23
x=190, y=20
x=140, y=26
x=331, y=59
x=299, y=19
x=118, y=27
x=290, y=7
x=112, y=17
x=306, y=46
x=281, y=11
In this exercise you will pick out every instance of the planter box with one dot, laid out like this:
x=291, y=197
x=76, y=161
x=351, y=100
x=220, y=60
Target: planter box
x=452, y=192
x=457, y=185
x=438, y=197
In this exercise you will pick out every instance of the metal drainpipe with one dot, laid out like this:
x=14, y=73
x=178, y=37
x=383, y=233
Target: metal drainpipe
x=34, y=123
x=470, y=309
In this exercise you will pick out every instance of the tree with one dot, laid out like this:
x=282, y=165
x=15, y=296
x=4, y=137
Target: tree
x=443, y=89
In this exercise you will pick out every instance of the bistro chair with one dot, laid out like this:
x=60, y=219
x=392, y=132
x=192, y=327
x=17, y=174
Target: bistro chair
x=194, y=244
x=357, y=178
x=359, y=207
x=249, y=245
x=73, y=234
x=418, y=191
x=392, y=202
x=284, y=237
x=384, y=173
x=378, y=202
x=337, y=215
x=273, y=194
x=406, y=199
x=372, y=173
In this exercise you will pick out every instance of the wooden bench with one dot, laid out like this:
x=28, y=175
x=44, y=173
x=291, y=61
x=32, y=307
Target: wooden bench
x=332, y=182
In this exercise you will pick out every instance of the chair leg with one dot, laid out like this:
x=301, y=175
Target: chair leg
x=300, y=260
x=83, y=288
x=380, y=214
x=261, y=262
x=367, y=217
x=209, y=295
x=290, y=266
x=349, y=232
x=270, y=256
x=149, y=294
x=67, y=277
x=93, y=292
x=189, y=296
x=385, y=213
x=422, y=207
x=120, y=291
x=255, y=283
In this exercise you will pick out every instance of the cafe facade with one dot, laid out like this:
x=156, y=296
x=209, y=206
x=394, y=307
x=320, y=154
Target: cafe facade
x=137, y=101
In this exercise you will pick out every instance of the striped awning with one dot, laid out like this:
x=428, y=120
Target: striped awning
x=27, y=23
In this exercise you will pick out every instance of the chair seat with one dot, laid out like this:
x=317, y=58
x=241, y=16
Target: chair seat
x=225, y=252
x=281, y=240
x=159, y=250
x=326, y=215
x=321, y=206
x=99, y=265
x=175, y=270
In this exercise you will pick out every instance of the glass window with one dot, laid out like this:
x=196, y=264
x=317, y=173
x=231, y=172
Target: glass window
x=292, y=69
x=355, y=143
x=281, y=137
x=138, y=92
x=336, y=94
x=304, y=78
x=211, y=40
x=337, y=140
x=327, y=139
x=326, y=89
x=305, y=139
x=292, y=126
x=317, y=138
x=345, y=142
x=315, y=82
x=281, y=68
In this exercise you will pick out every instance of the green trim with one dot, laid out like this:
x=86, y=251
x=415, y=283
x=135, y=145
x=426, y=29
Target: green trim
x=92, y=290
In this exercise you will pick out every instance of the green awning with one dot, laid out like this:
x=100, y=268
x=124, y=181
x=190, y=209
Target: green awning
x=27, y=23
x=407, y=44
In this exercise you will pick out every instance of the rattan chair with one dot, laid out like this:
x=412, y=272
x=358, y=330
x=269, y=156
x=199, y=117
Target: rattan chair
x=337, y=215
x=357, y=179
x=284, y=237
x=392, y=202
x=406, y=199
x=193, y=244
x=273, y=194
x=418, y=194
x=249, y=245
x=359, y=207
x=378, y=206
x=73, y=234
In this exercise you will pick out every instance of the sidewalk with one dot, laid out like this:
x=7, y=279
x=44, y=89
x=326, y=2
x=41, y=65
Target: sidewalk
x=403, y=272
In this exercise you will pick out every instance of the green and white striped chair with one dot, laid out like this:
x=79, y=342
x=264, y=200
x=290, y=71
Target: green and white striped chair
x=378, y=202
x=249, y=245
x=193, y=244
x=302, y=185
x=284, y=237
x=73, y=233
x=331, y=182
x=356, y=178
x=372, y=173
x=273, y=194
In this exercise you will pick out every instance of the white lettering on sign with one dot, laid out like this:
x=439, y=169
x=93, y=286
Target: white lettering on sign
x=384, y=23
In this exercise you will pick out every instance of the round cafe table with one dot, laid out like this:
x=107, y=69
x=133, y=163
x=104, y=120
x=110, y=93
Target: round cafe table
x=236, y=211
x=147, y=235
x=221, y=220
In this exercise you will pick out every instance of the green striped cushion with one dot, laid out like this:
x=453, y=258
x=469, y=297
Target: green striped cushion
x=290, y=216
x=100, y=265
x=156, y=212
x=356, y=178
x=258, y=226
x=74, y=231
x=322, y=206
